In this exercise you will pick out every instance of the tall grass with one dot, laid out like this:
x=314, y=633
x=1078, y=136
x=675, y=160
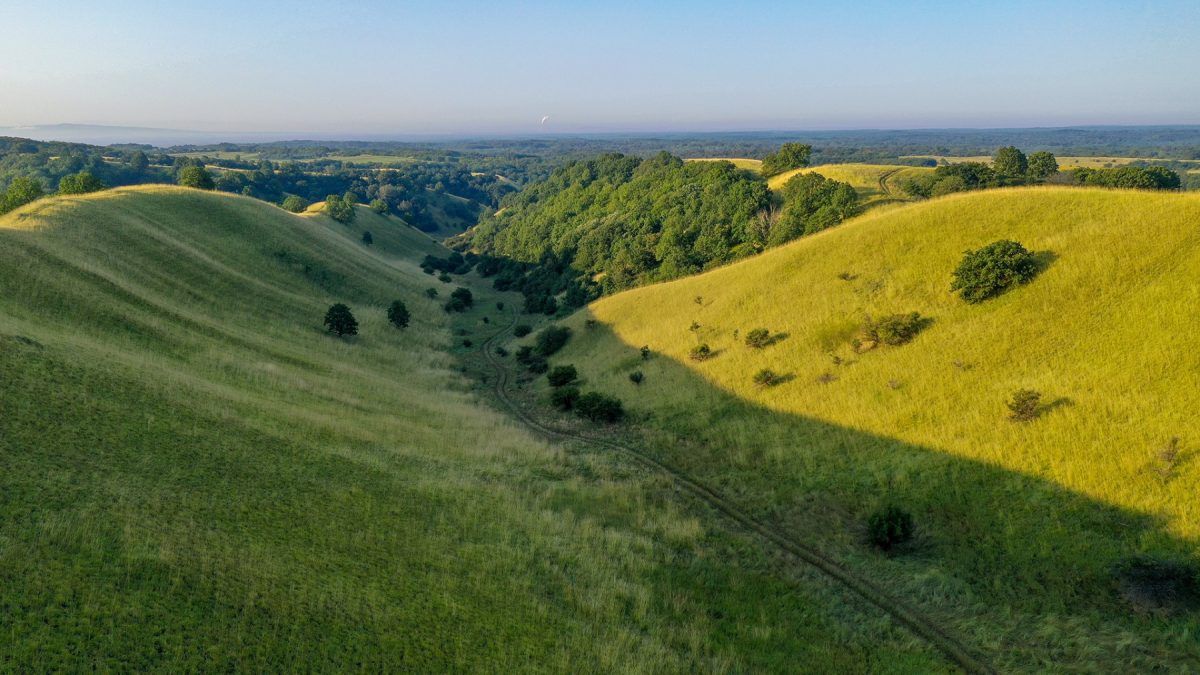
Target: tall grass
x=1020, y=523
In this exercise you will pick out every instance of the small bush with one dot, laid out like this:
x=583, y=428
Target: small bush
x=895, y=329
x=552, y=339
x=645, y=353
x=501, y=352
x=379, y=206
x=758, y=338
x=636, y=377
x=889, y=527
x=1157, y=585
x=444, y=278
x=524, y=354
x=467, y=343
x=460, y=300
x=766, y=378
x=992, y=270
x=500, y=306
x=537, y=365
x=598, y=407
x=700, y=352
x=1025, y=405
x=295, y=204
x=398, y=314
x=431, y=292
x=562, y=375
x=694, y=327
x=367, y=239
x=521, y=330
x=340, y=321
x=564, y=398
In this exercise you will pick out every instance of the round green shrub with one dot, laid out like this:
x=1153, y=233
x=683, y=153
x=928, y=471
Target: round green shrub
x=992, y=270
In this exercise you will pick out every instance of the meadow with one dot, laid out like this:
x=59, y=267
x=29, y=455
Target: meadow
x=194, y=475
x=1020, y=525
x=875, y=183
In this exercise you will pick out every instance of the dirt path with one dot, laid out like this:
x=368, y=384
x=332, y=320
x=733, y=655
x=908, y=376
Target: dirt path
x=906, y=615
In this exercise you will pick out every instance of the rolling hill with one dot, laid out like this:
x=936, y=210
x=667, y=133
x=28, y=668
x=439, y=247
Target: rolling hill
x=195, y=476
x=875, y=183
x=1023, y=528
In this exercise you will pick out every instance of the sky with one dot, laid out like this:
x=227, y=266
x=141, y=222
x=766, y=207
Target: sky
x=501, y=67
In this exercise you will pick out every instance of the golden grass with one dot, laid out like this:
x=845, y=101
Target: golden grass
x=874, y=182
x=1106, y=333
x=739, y=162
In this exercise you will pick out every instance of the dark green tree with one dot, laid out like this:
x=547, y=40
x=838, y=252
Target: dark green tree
x=398, y=314
x=789, y=156
x=340, y=321
x=339, y=209
x=992, y=270
x=21, y=191
x=562, y=375
x=194, y=176
x=79, y=183
x=138, y=162
x=1010, y=161
x=1042, y=165
x=368, y=238
x=295, y=204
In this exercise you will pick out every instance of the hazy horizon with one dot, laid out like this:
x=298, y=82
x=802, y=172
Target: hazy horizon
x=381, y=68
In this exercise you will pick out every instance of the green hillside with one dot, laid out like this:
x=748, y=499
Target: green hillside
x=194, y=475
x=1020, y=526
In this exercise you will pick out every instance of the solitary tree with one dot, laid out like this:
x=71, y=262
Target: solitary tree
x=790, y=156
x=295, y=204
x=196, y=177
x=1010, y=161
x=339, y=209
x=379, y=206
x=1042, y=165
x=992, y=270
x=340, y=321
x=398, y=314
x=138, y=162
x=79, y=183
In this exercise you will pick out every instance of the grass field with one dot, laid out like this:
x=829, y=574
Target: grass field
x=1065, y=163
x=1019, y=525
x=874, y=182
x=741, y=163
x=195, y=476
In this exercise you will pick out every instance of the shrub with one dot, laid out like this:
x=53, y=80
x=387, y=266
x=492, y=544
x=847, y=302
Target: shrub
x=552, y=339
x=1158, y=585
x=431, y=292
x=295, y=204
x=758, y=338
x=562, y=375
x=992, y=270
x=340, y=321
x=645, y=350
x=700, y=352
x=636, y=377
x=444, y=278
x=501, y=352
x=500, y=306
x=379, y=206
x=564, y=398
x=598, y=407
x=894, y=330
x=467, y=343
x=521, y=330
x=460, y=300
x=524, y=354
x=765, y=378
x=537, y=365
x=398, y=314
x=889, y=527
x=1025, y=405
x=367, y=238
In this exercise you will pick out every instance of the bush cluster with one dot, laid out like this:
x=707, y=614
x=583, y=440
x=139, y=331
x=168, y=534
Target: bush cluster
x=701, y=352
x=893, y=330
x=552, y=339
x=562, y=375
x=758, y=338
x=460, y=300
x=992, y=270
x=598, y=407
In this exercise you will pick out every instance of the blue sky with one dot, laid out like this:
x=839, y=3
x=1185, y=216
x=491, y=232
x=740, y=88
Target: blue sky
x=394, y=67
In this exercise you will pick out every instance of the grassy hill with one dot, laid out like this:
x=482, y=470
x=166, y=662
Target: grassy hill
x=195, y=476
x=875, y=183
x=1020, y=525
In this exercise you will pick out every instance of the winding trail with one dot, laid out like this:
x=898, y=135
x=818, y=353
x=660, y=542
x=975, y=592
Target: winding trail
x=906, y=615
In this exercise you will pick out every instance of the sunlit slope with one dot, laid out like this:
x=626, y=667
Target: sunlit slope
x=874, y=182
x=1033, y=515
x=195, y=476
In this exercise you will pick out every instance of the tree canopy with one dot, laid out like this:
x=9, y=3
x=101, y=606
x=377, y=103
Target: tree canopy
x=789, y=156
x=194, y=176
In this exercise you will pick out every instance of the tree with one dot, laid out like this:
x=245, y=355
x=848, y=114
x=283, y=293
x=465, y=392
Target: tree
x=196, y=177
x=340, y=321
x=460, y=300
x=398, y=314
x=21, y=191
x=367, y=238
x=562, y=375
x=1010, y=161
x=350, y=197
x=599, y=408
x=295, y=204
x=1042, y=165
x=789, y=156
x=79, y=183
x=138, y=162
x=379, y=206
x=339, y=209
x=552, y=339
x=992, y=270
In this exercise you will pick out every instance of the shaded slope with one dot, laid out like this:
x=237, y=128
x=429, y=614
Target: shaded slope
x=1019, y=520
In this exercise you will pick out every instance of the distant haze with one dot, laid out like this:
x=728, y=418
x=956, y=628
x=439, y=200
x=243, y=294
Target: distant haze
x=270, y=70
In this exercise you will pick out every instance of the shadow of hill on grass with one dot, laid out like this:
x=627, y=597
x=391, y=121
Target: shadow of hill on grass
x=1021, y=567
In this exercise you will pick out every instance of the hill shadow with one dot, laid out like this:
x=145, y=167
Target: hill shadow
x=993, y=545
